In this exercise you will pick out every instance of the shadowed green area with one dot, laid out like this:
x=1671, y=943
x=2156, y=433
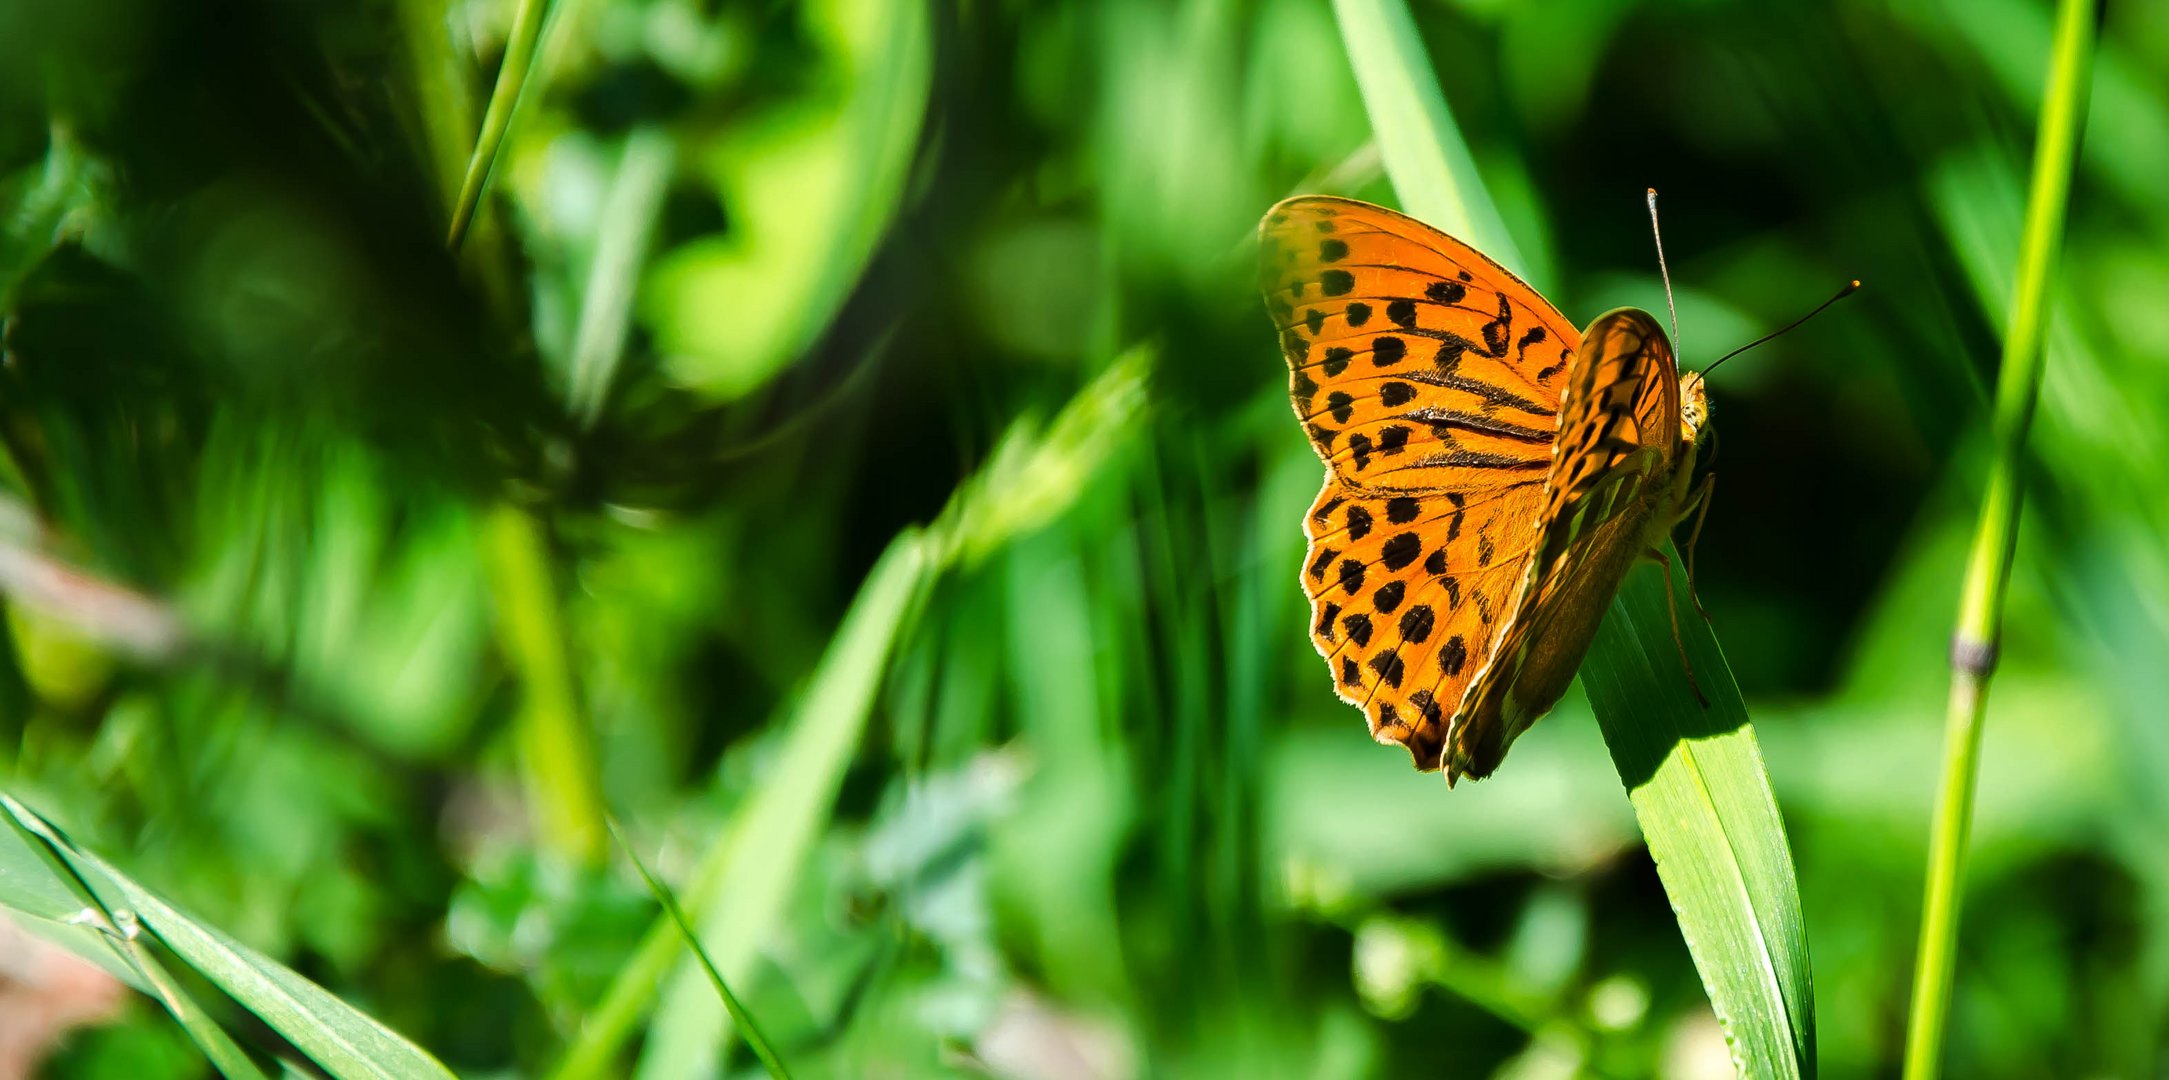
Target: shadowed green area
x=847, y=446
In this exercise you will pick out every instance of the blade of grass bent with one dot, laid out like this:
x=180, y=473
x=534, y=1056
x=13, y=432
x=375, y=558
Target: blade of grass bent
x=1432, y=171
x=1702, y=796
x=342, y=1040
x=1695, y=778
x=776, y=831
x=118, y=932
x=756, y=1039
x=520, y=46
x=1032, y=476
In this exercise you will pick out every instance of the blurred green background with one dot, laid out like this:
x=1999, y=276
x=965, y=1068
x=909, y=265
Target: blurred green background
x=940, y=315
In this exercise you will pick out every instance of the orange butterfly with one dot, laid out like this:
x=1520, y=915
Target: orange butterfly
x=1491, y=475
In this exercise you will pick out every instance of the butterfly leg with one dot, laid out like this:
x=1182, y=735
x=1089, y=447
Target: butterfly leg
x=1671, y=607
x=1700, y=500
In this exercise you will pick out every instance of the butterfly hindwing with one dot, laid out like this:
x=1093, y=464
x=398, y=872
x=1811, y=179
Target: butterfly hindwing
x=1610, y=495
x=1405, y=594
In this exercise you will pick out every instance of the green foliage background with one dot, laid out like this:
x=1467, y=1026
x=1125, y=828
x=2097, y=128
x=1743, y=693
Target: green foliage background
x=848, y=447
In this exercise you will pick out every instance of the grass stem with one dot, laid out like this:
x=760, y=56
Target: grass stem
x=1988, y=567
x=556, y=748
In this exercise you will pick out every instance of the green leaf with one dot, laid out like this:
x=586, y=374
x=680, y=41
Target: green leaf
x=1699, y=789
x=1694, y=775
x=342, y=1040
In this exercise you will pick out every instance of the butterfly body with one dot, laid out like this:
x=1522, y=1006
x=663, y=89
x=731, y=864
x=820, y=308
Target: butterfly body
x=1492, y=474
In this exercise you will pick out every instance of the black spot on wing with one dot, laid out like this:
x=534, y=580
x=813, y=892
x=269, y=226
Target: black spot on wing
x=1332, y=250
x=1416, y=624
x=1389, y=596
x=1446, y=292
x=1452, y=655
x=1341, y=405
x=1335, y=283
x=1389, y=667
x=1324, y=559
x=1395, y=394
x=1498, y=329
x=1358, y=313
x=1400, y=550
x=1402, y=509
x=1387, y=350
x=1336, y=360
x=1325, y=620
x=1426, y=704
x=1359, y=629
x=1403, y=313
x=1359, y=523
x=1351, y=575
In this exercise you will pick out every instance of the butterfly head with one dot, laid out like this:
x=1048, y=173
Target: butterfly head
x=1694, y=406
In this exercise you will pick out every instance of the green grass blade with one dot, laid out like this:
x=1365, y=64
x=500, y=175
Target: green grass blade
x=118, y=933
x=756, y=1039
x=1695, y=776
x=1702, y=796
x=343, y=1041
x=1432, y=170
x=520, y=48
x=225, y=1055
x=773, y=836
x=629, y=213
x=1988, y=566
x=742, y=882
x=743, y=879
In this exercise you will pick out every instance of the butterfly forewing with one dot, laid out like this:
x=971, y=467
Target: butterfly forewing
x=1414, y=361
x=1428, y=379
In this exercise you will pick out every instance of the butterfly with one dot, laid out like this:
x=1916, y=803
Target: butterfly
x=1491, y=474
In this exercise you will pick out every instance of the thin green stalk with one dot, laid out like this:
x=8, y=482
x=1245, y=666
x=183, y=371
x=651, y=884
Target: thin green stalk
x=555, y=749
x=520, y=46
x=755, y=1038
x=1988, y=567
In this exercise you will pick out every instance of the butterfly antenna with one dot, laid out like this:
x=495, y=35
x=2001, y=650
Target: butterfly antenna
x=1848, y=290
x=1664, y=271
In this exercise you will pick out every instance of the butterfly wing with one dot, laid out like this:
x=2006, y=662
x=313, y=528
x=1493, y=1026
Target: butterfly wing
x=1428, y=379
x=1609, y=497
